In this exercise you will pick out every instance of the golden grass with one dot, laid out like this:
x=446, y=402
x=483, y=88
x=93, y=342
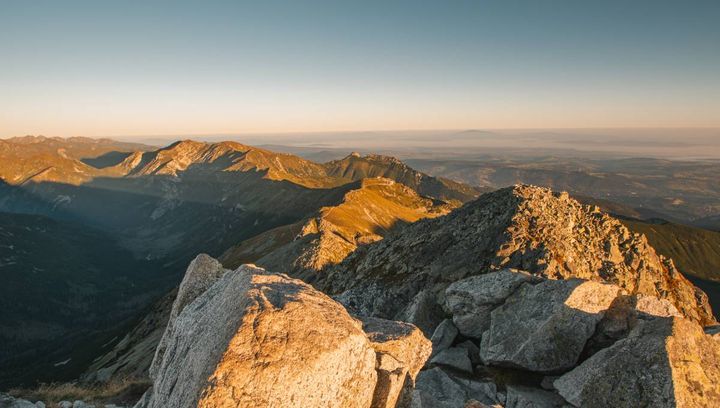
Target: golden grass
x=121, y=392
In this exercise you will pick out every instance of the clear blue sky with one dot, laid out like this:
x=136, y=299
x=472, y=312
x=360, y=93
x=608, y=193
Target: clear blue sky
x=103, y=68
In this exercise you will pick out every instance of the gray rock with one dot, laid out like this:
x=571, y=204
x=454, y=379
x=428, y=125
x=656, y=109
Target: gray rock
x=471, y=300
x=443, y=336
x=526, y=397
x=663, y=362
x=40, y=404
x=455, y=357
x=544, y=327
x=445, y=390
x=81, y=404
x=523, y=227
x=7, y=401
x=473, y=351
x=423, y=311
x=65, y=404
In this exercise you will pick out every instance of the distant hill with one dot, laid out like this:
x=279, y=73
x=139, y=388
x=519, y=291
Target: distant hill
x=356, y=167
x=152, y=199
x=672, y=189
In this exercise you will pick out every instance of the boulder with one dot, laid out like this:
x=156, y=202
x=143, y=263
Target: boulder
x=527, y=397
x=202, y=273
x=423, y=311
x=7, y=401
x=401, y=351
x=470, y=301
x=437, y=388
x=455, y=357
x=444, y=336
x=260, y=339
x=663, y=362
x=473, y=351
x=544, y=327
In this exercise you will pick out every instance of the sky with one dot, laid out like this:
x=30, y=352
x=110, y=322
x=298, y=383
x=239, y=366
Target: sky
x=131, y=68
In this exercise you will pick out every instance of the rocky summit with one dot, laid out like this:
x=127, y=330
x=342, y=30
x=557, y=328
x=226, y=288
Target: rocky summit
x=255, y=338
x=529, y=228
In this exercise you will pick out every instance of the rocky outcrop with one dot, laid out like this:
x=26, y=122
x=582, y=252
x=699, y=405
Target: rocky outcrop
x=7, y=401
x=523, y=227
x=559, y=343
x=256, y=338
x=200, y=275
x=664, y=362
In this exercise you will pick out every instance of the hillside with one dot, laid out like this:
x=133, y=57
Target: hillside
x=355, y=167
x=147, y=198
x=65, y=289
x=523, y=227
x=369, y=211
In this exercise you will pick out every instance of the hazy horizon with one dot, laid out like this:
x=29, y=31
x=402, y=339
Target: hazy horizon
x=226, y=67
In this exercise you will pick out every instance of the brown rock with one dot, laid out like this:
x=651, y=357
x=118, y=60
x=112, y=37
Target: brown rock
x=401, y=350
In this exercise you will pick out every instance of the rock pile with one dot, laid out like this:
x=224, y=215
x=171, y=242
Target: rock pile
x=559, y=343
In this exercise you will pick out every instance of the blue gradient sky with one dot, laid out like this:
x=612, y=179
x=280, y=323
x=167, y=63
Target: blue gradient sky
x=102, y=68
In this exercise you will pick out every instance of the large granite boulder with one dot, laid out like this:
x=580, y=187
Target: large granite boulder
x=663, y=362
x=255, y=338
x=259, y=339
x=544, y=327
x=470, y=301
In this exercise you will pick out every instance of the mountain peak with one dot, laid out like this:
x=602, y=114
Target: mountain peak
x=524, y=227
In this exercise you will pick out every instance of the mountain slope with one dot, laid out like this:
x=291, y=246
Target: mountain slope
x=370, y=210
x=355, y=167
x=65, y=289
x=522, y=227
x=43, y=159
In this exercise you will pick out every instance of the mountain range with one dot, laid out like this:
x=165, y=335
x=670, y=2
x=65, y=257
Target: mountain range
x=386, y=241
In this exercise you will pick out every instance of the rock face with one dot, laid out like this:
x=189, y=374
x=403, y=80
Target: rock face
x=255, y=338
x=523, y=227
x=544, y=327
x=401, y=351
x=200, y=275
x=664, y=362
